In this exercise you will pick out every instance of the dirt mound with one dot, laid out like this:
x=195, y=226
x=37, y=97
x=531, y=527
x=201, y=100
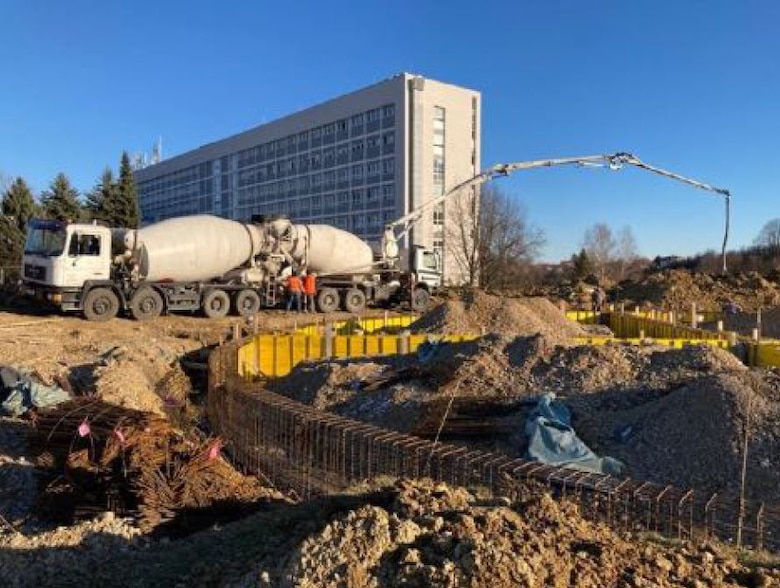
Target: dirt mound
x=478, y=313
x=671, y=415
x=692, y=435
x=677, y=289
x=434, y=535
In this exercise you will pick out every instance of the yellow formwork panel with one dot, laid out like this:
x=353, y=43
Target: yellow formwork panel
x=766, y=354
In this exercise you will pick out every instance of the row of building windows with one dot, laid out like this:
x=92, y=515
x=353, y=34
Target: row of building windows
x=370, y=121
x=371, y=197
x=355, y=173
x=295, y=166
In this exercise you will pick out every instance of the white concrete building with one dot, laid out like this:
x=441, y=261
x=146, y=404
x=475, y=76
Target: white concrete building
x=355, y=162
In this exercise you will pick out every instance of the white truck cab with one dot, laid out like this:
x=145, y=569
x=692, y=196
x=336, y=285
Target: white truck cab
x=59, y=258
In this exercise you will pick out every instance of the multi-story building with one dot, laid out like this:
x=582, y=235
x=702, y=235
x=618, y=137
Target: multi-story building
x=355, y=162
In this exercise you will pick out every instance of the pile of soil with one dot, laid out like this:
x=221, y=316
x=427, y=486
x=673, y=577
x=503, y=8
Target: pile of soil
x=434, y=535
x=678, y=289
x=412, y=533
x=476, y=312
x=671, y=415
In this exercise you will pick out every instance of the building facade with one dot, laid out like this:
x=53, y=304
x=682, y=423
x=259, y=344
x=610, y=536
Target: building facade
x=355, y=162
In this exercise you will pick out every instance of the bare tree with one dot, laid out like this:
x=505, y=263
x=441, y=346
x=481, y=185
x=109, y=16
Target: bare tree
x=626, y=250
x=489, y=237
x=461, y=234
x=599, y=244
x=769, y=236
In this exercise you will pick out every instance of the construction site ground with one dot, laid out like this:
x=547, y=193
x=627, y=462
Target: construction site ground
x=685, y=410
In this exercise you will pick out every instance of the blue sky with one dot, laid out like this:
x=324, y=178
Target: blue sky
x=690, y=86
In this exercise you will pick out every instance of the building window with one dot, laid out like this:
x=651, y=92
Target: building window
x=388, y=111
x=388, y=139
x=357, y=120
x=316, y=133
x=438, y=245
x=388, y=166
x=372, y=168
x=438, y=215
x=341, y=125
x=357, y=198
x=357, y=172
x=372, y=115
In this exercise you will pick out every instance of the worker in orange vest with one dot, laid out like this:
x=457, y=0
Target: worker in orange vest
x=294, y=287
x=309, y=291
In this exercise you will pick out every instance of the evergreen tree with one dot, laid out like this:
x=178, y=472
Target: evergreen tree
x=61, y=200
x=19, y=204
x=582, y=266
x=125, y=213
x=102, y=198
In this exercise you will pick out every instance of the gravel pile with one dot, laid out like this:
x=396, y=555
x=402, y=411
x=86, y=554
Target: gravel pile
x=476, y=312
x=434, y=535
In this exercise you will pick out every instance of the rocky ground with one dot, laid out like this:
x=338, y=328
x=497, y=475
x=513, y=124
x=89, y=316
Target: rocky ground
x=400, y=533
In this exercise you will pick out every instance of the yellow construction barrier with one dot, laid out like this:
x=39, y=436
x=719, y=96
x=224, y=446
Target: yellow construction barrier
x=276, y=355
x=367, y=325
x=673, y=343
x=764, y=354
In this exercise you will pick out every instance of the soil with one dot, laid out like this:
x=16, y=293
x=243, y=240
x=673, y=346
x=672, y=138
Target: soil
x=476, y=312
x=677, y=289
x=402, y=533
x=683, y=412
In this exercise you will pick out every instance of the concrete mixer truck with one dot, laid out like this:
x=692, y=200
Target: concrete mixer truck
x=213, y=264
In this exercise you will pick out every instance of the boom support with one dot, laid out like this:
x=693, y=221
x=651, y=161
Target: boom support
x=399, y=228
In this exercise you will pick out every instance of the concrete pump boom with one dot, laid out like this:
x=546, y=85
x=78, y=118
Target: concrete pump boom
x=396, y=230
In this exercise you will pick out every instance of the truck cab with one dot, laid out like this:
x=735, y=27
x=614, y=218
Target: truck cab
x=427, y=265
x=60, y=258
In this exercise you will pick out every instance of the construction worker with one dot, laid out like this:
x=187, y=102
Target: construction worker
x=294, y=287
x=598, y=298
x=309, y=291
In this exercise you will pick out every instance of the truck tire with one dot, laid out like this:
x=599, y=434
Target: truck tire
x=421, y=300
x=216, y=304
x=146, y=304
x=100, y=304
x=247, y=303
x=328, y=300
x=354, y=300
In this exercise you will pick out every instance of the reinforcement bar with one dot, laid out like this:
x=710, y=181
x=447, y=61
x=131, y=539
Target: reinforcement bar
x=306, y=452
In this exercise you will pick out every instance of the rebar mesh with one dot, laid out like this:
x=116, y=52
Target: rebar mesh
x=307, y=451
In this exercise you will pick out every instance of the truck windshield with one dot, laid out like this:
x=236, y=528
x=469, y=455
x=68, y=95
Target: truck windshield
x=48, y=241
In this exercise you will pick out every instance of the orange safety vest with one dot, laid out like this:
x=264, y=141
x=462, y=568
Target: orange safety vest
x=310, y=284
x=294, y=284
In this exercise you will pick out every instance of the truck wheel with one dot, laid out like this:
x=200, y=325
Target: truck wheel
x=354, y=300
x=146, y=304
x=421, y=300
x=247, y=302
x=216, y=303
x=328, y=300
x=100, y=304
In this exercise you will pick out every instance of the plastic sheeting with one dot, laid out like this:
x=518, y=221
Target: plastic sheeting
x=552, y=440
x=19, y=393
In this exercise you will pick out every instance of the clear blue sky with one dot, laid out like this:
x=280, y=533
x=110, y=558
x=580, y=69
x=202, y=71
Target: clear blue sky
x=691, y=86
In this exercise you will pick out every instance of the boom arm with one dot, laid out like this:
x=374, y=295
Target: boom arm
x=397, y=229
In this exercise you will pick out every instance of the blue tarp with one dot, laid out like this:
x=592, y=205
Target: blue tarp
x=552, y=440
x=19, y=393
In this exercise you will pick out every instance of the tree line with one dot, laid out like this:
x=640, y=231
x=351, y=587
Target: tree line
x=112, y=201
